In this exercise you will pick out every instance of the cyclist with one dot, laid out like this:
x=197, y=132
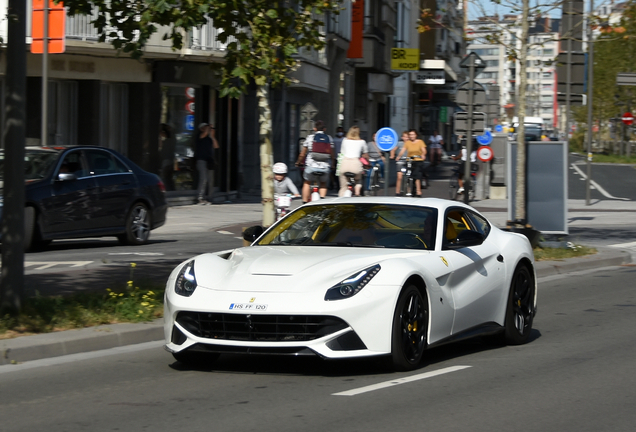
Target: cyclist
x=416, y=149
x=282, y=184
x=399, y=164
x=353, y=148
x=462, y=163
x=436, y=141
x=375, y=159
x=317, y=160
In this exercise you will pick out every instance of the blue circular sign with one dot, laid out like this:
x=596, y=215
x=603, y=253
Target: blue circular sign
x=484, y=139
x=386, y=138
x=499, y=128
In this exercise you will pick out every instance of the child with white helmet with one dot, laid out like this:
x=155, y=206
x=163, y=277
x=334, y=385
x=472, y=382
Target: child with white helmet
x=283, y=184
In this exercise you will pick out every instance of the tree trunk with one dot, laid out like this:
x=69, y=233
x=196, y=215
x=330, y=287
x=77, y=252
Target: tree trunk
x=266, y=151
x=520, y=184
x=12, y=288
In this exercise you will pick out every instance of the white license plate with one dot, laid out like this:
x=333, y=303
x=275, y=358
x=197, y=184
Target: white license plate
x=248, y=307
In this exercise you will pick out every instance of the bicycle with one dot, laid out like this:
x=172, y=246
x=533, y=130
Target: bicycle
x=351, y=184
x=453, y=183
x=315, y=187
x=408, y=182
x=375, y=174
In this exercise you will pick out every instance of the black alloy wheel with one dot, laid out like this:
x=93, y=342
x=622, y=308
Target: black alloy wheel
x=520, y=310
x=410, y=327
x=137, y=225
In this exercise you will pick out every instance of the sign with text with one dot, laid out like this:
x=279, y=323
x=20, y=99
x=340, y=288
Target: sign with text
x=405, y=59
x=430, y=76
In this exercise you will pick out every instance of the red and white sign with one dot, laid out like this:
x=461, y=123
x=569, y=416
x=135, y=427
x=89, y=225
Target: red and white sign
x=189, y=106
x=628, y=118
x=485, y=153
x=190, y=92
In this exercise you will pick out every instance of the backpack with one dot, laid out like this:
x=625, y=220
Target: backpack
x=321, y=148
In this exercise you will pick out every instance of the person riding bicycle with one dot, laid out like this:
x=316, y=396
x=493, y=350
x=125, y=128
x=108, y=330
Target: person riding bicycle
x=375, y=159
x=436, y=142
x=399, y=164
x=415, y=149
x=353, y=148
x=462, y=163
x=318, y=157
x=282, y=184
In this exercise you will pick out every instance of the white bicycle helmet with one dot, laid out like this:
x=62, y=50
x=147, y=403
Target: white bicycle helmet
x=280, y=168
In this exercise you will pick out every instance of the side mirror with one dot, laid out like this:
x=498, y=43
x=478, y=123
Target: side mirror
x=66, y=177
x=252, y=233
x=467, y=238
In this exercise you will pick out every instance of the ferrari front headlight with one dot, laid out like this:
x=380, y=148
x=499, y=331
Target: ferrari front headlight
x=186, y=281
x=352, y=285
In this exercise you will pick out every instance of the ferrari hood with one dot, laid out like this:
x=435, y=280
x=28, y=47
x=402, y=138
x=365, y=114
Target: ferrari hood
x=287, y=268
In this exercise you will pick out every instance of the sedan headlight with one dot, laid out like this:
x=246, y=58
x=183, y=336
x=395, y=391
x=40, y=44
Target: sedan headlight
x=186, y=281
x=352, y=285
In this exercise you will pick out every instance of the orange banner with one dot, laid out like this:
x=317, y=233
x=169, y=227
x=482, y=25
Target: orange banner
x=57, y=24
x=357, y=30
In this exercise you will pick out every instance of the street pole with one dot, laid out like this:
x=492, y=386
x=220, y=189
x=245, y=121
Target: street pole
x=469, y=127
x=45, y=76
x=590, y=93
x=12, y=287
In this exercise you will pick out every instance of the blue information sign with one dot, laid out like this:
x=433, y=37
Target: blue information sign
x=499, y=128
x=484, y=139
x=386, y=138
x=189, y=122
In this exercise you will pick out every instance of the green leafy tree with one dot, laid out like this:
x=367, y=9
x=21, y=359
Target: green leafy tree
x=263, y=41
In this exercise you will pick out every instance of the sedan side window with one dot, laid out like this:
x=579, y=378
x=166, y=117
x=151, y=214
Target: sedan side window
x=102, y=162
x=73, y=163
x=480, y=224
x=455, y=222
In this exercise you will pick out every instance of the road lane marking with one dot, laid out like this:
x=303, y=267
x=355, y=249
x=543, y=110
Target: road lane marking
x=624, y=245
x=138, y=253
x=399, y=381
x=43, y=265
x=596, y=185
x=225, y=232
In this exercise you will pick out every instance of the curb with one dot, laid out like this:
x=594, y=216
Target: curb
x=47, y=345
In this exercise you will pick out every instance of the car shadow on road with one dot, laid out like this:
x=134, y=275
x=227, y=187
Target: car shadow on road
x=64, y=245
x=315, y=366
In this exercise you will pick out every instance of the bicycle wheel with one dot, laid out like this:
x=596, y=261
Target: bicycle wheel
x=375, y=183
x=453, y=185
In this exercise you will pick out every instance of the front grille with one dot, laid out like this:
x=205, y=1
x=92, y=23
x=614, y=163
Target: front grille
x=262, y=328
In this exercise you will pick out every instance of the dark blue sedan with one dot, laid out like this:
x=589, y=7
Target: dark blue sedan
x=88, y=191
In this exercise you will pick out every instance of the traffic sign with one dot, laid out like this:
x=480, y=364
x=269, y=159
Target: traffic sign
x=484, y=139
x=461, y=122
x=479, y=95
x=499, y=128
x=485, y=153
x=386, y=138
x=628, y=118
x=478, y=63
x=189, y=106
x=189, y=122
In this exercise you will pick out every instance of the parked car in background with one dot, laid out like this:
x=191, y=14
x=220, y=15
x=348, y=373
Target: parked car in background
x=76, y=192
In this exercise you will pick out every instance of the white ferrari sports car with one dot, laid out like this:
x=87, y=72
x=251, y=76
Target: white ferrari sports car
x=355, y=277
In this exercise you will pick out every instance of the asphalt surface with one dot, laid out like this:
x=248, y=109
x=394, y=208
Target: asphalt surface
x=589, y=225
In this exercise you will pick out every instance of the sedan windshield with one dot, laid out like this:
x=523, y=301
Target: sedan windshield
x=358, y=225
x=37, y=163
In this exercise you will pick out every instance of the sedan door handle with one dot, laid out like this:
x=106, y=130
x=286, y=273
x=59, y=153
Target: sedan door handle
x=500, y=258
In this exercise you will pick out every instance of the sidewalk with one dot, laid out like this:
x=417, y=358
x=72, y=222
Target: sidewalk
x=247, y=211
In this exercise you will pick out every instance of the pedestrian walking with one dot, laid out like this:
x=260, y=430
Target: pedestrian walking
x=436, y=142
x=204, y=148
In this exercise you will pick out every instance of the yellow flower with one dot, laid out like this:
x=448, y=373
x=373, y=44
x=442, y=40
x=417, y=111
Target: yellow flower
x=140, y=311
x=133, y=265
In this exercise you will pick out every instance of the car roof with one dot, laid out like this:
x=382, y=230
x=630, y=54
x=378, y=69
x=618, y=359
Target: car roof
x=438, y=203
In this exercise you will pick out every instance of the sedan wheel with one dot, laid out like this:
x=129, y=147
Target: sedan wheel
x=520, y=309
x=410, y=327
x=137, y=226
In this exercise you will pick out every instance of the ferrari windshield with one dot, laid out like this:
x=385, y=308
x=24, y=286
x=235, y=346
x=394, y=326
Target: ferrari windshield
x=359, y=225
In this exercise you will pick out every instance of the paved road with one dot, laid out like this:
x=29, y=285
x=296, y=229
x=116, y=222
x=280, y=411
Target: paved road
x=577, y=374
